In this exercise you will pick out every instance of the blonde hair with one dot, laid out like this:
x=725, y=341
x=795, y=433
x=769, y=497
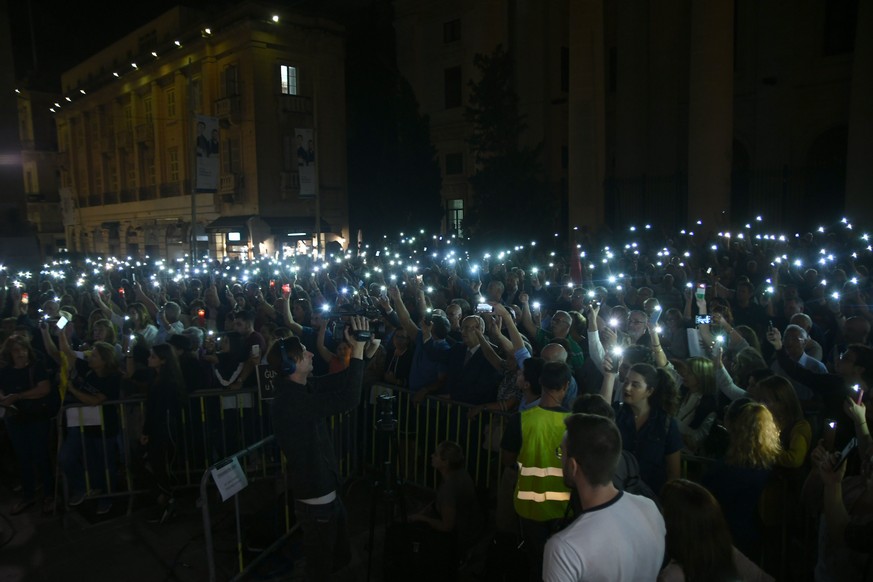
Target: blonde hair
x=754, y=438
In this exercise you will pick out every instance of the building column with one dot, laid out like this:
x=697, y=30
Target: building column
x=859, y=169
x=710, y=112
x=586, y=113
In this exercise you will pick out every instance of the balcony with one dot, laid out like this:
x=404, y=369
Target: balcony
x=230, y=183
x=144, y=132
x=170, y=189
x=147, y=193
x=295, y=104
x=229, y=108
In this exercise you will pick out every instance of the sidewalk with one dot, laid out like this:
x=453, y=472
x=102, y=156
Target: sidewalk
x=79, y=545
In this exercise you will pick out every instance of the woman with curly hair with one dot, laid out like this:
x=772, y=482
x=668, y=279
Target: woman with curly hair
x=738, y=481
x=646, y=418
x=698, y=542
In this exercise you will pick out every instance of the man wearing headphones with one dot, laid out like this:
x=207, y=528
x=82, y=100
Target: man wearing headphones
x=300, y=411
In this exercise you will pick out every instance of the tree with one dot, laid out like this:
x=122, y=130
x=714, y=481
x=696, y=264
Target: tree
x=511, y=197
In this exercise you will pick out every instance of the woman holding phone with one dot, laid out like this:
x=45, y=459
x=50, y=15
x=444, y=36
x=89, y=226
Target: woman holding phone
x=646, y=418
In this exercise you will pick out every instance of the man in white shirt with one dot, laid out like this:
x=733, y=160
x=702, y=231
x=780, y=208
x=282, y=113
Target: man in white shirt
x=611, y=519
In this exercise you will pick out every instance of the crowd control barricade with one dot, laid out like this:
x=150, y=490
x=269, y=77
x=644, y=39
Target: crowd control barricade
x=260, y=461
x=211, y=426
x=421, y=426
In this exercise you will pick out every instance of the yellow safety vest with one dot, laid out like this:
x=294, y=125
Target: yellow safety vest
x=540, y=493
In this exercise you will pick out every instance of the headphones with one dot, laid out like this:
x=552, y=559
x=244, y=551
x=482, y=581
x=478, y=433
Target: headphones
x=289, y=366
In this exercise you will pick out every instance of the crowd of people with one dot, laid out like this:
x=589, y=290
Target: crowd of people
x=641, y=374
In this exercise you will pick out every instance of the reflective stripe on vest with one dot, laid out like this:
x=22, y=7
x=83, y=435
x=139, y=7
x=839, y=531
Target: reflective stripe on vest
x=540, y=493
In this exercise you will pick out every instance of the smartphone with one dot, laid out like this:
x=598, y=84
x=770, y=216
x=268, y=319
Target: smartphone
x=615, y=353
x=121, y=291
x=25, y=298
x=769, y=326
x=700, y=292
x=62, y=322
x=828, y=434
x=702, y=319
x=256, y=350
x=286, y=290
x=859, y=394
x=847, y=450
x=484, y=308
x=201, y=313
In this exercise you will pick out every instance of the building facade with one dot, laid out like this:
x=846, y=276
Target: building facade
x=662, y=112
x=130, y=145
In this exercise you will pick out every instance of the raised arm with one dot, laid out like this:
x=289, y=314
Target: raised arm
x=610, y=373
x=285, y=310
x=403, y=313
x=325, y=353
x=526, y=319
x=50, y=348
x=488, y=351
x=657, y=349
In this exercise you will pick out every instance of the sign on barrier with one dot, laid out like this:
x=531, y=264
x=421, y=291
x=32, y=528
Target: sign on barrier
x=267, y=379
x=229, y=478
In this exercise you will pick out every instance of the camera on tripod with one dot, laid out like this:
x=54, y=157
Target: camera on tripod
x=385, y=420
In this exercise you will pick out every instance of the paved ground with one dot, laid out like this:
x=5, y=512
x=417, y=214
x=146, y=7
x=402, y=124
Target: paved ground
x=80, y=545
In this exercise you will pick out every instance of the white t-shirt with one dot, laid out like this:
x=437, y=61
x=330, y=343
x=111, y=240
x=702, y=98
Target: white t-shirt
x=622, y=540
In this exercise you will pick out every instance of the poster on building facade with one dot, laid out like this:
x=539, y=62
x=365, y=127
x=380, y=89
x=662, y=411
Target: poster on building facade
x=206, y=161
x=306, y=161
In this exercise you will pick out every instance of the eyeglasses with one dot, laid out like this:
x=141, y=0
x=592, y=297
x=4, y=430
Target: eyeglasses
x=636, y=322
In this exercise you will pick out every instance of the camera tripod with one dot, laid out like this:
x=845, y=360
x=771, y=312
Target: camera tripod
x=387, y=487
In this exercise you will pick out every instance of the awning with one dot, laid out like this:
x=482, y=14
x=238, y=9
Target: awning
x=229, y=224
x=294, y=226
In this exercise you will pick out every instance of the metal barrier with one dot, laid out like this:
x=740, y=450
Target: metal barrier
x=422, y=426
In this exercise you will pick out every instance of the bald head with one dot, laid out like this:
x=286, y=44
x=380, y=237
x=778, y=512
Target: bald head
x=554, y=353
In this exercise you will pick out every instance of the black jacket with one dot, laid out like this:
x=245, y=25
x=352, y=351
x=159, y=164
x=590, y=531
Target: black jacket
x=300, y=414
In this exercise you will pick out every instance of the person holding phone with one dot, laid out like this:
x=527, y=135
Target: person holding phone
x=846, y=508
x=647, y=419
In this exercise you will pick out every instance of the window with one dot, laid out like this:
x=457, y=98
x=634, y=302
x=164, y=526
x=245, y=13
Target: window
x=565, y=69
x=230, y=81
x=454, y=164
x=455, y=216
x=196, y=91
x=288, y=80
x=232, y=156
x=171, y=102
x=453, y=87
x=452, y=31
x=173, y=164
x=147, y=109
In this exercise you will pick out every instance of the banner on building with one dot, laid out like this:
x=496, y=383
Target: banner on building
x=306, y=161
x=206, y=162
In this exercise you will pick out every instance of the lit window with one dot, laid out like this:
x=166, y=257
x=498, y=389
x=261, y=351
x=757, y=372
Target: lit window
x=288, y=79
